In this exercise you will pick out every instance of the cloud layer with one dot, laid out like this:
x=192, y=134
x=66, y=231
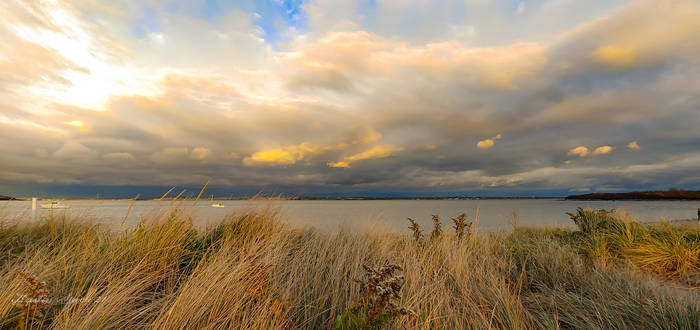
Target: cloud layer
x=394, y=96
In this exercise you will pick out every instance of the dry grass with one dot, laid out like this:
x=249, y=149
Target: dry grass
x=611, y=237
x=251, y=272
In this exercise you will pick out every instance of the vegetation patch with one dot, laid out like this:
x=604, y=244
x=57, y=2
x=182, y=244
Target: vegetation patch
x=250, y=271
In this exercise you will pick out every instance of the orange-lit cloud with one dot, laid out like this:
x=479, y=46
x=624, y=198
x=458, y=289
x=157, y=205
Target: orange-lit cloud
x=288, y=155
x=580, y=151
x=583, y=151
x=487, y=143
x=281, y=156
x=380, y=151
x=616, y=57
x=602, y=150
x=633, y=145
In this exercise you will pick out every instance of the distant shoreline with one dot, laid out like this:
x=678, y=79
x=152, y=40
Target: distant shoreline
x=641, y=195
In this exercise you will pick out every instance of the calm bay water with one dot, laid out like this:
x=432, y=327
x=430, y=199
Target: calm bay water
x=364, y=214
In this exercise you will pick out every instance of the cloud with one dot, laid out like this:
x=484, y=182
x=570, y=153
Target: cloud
x=73, y=149
x=379, y=151
x=633, y=145
x=580, y=151
x=289, y=155
x=583, y=151
x=200, y=153
x=113, y=100
x=487, y=143
x=170, y=154
x=339, y=60
x=119, y=156
x=602, y=150
x=616, y=57
x=281, y=156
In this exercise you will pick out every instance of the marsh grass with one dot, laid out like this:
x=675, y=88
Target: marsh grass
x=250, y=271
x=611, y=237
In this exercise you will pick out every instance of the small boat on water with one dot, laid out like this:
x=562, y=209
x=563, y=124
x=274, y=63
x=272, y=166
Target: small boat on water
x=55, y=205
x=216, y=205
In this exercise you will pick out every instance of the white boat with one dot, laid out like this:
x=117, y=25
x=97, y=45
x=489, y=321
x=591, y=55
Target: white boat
x=55, y=205
x=216, y=205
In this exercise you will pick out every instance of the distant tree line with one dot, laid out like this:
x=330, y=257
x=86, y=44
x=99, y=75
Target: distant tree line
x=671, y=194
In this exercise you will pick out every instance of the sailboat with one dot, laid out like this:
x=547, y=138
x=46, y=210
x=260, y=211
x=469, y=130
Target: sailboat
x=217, y=205
x=55, y=205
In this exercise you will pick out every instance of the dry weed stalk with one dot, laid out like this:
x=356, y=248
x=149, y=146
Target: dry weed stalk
x=33, y=301
x=462, y=227
x=381, y=299
x=437, y=228
x=417, y=231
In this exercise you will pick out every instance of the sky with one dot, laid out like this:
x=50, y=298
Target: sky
x=347, y=98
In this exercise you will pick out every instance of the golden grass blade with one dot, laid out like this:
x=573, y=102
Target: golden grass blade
x=129, y=209
x=166, y=193
x=476, y=221
x=200, y=192
x=176, y=198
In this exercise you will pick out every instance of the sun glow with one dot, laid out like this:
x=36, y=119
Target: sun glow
x=93, y=73
x=75, y=123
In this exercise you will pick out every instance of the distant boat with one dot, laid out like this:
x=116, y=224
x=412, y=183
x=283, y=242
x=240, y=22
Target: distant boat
x=217, y=205
x=55, y=205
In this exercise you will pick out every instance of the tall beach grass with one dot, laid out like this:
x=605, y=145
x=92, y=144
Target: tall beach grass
x=250, y=271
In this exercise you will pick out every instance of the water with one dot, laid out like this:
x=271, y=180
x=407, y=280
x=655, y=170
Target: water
x=365, y=214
